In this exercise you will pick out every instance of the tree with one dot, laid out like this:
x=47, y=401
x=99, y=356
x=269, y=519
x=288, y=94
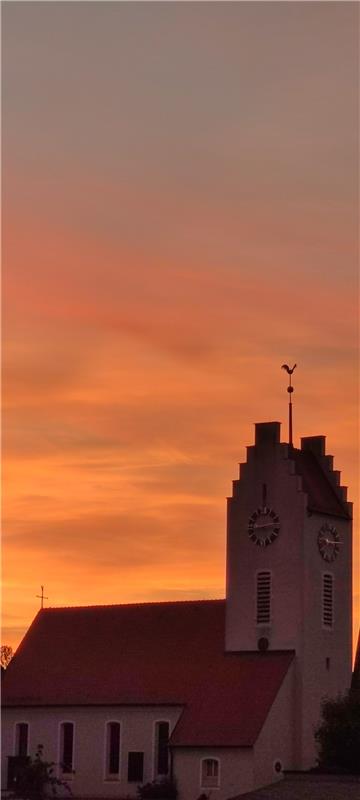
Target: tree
x=338, y=735
x=35, y=779
x=6, y=655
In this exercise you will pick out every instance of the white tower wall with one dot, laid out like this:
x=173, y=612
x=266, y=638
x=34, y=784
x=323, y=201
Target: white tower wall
x=323, y=656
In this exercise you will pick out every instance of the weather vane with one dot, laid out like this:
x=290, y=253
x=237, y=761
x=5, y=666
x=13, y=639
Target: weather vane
x=42, y=597
x=290, y=389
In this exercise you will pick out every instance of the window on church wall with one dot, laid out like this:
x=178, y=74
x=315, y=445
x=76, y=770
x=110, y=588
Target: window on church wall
x=328, y=600
x=263, y=597
x=162, y=730
x=135, y=767
x=210, y=773
x=112, y=749
x=66, y=747
x=21, y=739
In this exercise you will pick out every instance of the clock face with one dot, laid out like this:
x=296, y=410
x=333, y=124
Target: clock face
x=328, y=542
x=264, y=526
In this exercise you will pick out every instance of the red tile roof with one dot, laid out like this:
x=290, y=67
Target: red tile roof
x=153, y=653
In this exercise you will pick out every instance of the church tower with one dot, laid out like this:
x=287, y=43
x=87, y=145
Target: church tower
x=289, y=570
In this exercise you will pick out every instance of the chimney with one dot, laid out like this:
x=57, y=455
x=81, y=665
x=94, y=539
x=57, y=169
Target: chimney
x=267, y=434
x=316, y=445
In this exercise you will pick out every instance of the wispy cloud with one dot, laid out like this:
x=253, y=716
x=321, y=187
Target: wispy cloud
x=180, y=218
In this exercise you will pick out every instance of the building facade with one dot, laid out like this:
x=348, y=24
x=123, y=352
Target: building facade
x=297, y=554
x=220, y=695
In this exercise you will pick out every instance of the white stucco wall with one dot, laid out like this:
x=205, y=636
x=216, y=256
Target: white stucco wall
x=137, y=734
x=236, y=771
x=323, y=665
x=318, y=643
x=283, y=558
x=276, y=741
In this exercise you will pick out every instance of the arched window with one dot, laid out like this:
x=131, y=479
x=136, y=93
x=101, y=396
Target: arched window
x=67, y=747
x=162, y=730
x=21, y=739
x=210, y=773
x=328, y=600
x=263, y=597
x=112, y=745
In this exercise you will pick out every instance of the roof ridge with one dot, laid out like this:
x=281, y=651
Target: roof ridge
x=148, y=603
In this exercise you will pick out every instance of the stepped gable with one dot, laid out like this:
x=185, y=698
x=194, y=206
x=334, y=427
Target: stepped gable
x=315, y=468
x=319, y=480
x=149, y=654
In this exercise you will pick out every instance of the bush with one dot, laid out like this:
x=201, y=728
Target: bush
x=35, y=780
x=163, y=789
x=338, y=735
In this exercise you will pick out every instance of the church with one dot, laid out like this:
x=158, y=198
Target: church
x=220, y=696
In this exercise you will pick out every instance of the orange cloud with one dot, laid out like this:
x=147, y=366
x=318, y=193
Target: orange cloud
x=169, y=241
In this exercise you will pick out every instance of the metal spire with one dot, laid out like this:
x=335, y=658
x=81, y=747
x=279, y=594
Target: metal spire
x=290, y=389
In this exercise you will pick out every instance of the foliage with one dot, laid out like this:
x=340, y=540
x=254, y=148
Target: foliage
x=163, y=789
x=36, y=779
x=338, y=735
x=6, y=655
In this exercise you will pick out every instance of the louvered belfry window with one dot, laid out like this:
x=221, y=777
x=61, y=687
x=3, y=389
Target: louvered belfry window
x=263, y=598
x=328, y=600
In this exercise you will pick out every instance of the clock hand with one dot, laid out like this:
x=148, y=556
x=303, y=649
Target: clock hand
x=265, y=525
x=332, y=541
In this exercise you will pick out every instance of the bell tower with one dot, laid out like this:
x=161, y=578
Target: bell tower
x=289, y=567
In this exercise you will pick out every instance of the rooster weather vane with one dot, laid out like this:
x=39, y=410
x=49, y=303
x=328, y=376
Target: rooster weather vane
x=290, y=390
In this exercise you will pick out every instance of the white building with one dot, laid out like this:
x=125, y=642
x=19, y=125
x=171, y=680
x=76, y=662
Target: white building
x=221, y=694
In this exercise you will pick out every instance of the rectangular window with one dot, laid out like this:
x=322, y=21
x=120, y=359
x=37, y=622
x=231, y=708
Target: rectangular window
x=113, y=748
x=328, y=600
x=21, y=739
x=263, y=598
x=136, y=767
x=161, y=748
x=67, y=746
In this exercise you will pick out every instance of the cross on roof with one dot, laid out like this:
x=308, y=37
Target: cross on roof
x=42, y=597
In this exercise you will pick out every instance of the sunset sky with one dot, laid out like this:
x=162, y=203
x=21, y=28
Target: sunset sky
x=180, y=218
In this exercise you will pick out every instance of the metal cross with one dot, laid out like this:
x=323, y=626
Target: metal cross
x=42, y=597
